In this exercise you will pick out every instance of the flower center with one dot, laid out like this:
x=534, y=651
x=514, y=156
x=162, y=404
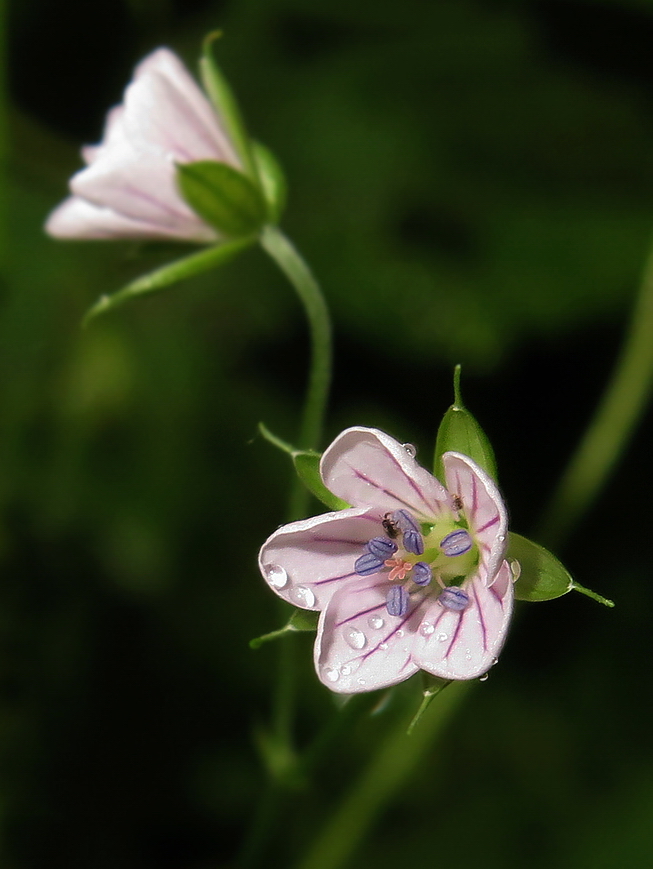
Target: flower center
x=413, y=555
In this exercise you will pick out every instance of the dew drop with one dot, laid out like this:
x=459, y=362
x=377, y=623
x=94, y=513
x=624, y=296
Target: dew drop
x=361, y=681
x=400, y=633
x=346, y=670
x=427, y=629
x=276, y=576
x=332, y=675
x=443, y=637
x=302, y=596
x=495, y=661
x=515, y=569
x=484, y=677
x=376, y=622
x=355, y=638
x=410, y=449
x=383, y=647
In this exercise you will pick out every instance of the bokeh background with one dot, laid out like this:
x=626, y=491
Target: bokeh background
x=472, y=182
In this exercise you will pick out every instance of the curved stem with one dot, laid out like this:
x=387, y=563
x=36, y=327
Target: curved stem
x=616, y=416
x=286, y=256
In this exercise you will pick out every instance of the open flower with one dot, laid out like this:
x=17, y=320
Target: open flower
x=128, y=188
x=412, y=576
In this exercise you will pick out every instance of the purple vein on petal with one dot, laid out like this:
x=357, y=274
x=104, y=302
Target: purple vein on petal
x=372, y=609
x=164, y=206
x=455, y=636
x=385, y=491
x=392, y=633
x=488, y=524
x=334, y=578
x=482, y=621
x=474, y=494
x=359, y=544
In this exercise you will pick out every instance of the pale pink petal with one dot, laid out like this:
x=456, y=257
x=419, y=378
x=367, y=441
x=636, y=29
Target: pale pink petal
x=482, y=505
x=368, y=468
x=305, y=562
x=166, y=109
x=112, y=132
x=77, y=218
x=464, y=645
x=141, y=190
x=359, y=647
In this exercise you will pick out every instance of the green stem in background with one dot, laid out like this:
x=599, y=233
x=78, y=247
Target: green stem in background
x=389, y=769
x=300, y=276
x=622, y=405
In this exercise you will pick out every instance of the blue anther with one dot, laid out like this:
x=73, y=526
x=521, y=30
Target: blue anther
x=397, y=600
x=456, y=543
x=382, y=547
x=454, y=598
x=421, y=574
x=368, y=564
x=413, y=542
x=405, y=521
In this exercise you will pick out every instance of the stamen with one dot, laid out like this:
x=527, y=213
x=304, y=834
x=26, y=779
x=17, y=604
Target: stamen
x=368, y=564
x=399, y=568
x=456, y=543
x=382, y=547
x=405, y=521
x=397, y=601
x=422, y=573
x=454, y=598
x=413, y=542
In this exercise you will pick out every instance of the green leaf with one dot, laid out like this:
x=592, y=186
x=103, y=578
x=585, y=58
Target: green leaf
x=194, y=264
x=222, y=196
x=307, y=465
x=273, y=180
x=301, y=621
x=459, y=431
x=225, y=104
x=542, y=576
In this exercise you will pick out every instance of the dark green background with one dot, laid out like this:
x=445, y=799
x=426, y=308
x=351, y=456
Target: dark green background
x=472, y=182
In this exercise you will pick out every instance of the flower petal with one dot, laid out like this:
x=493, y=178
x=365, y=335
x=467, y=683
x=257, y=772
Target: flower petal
x=359, y=646
x=77, y=218
x=306, y=562
x=483, y=506
x=463, y=645
x=161, y=81
x=368, y=468
x=141, y=189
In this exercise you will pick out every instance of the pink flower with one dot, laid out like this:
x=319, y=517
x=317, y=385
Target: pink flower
x=412, y=576
x=128, y=188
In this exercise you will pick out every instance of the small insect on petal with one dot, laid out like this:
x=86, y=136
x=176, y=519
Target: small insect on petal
x=382, y=547
x=397, y=601
x=456, y=543
x=454, y=598
x=422, y=573
x=368, y=564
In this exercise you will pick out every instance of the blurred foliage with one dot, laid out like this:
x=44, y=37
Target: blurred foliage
x=472, y=182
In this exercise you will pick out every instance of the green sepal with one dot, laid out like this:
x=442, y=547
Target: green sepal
x=432, y=686
x=541, y=575
x=225, y=103
x=272, y=179
x=307, y=466
x=301, y=621
x=459, y=431
x=222, y=196
x=195, y=264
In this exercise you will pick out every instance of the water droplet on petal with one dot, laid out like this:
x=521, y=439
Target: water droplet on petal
x=302, y=596
x=410, y=449
x=276, y=576
x=400, y=633
x=361, y=681
x=443, y=637
x=515, y=569
x=495, y=661
x=332, y=675
x=376, y=622
x=383, y=647
x=355, y=638
x=484, y=677
x=346, y=670
x=427, y=629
